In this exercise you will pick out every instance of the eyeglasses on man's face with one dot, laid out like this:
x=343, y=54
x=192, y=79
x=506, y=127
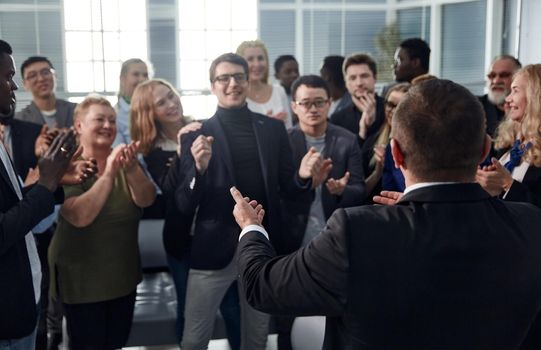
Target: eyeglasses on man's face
x=45, y=73
x=501, y=75
x=320, y=103
x=226, y=78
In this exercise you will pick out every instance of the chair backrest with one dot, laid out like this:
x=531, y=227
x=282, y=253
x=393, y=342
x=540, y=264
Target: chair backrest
x=151, y=244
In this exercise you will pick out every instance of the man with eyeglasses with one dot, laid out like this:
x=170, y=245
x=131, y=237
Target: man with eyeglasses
x=341, y=185
x=366, y=114
x=39, y=78
x=499, y=80
x=234, y=147
x=53, y=114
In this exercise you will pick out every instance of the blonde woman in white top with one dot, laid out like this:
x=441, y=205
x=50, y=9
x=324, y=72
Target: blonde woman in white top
x=263, y=97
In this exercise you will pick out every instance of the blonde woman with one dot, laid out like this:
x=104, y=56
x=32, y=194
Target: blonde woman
x=516, y=176
x=264, y=98
x=375, y=147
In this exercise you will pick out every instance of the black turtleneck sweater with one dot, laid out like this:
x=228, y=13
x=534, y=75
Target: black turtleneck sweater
x=240, y=135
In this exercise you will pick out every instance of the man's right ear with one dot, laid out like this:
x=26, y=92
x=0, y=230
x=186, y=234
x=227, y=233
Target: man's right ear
x=398, y=155
x=486, y=148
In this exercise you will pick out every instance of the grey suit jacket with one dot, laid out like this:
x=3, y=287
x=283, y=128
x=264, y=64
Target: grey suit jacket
x=64, y=114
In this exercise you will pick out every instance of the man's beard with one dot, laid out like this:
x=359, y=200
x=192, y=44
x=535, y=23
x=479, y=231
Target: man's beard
x=497, y=97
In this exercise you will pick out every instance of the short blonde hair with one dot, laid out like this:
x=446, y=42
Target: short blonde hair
x=258, y=44
x=143, y=125
x=92, y=99
x=530, y=126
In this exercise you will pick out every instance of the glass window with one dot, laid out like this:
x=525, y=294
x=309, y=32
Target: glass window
x=322, y=32
x=278, y=34
x=99, y=35
x=207, y=29
x=463, y=44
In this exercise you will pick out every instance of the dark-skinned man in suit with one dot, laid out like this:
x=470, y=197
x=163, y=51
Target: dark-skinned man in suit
x=20, y=210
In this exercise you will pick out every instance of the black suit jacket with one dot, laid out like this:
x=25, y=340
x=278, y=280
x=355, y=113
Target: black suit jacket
x=447, y=268
x=177, y=226
x=350, y=116
x=342, y=148
x=492, y=113
x=23, y=138
x=17, y=301
x=529, y=190
x=216, y=233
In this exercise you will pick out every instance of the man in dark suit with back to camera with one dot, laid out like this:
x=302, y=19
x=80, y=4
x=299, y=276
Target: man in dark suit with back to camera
x=20, y=210
x=447, y=267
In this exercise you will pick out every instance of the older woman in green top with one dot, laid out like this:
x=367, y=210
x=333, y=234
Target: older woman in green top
x=94, y=255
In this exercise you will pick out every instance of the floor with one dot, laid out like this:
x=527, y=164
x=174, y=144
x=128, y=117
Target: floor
x=220, y=344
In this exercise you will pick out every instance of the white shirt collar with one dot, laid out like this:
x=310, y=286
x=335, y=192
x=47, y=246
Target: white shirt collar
x=426, y=184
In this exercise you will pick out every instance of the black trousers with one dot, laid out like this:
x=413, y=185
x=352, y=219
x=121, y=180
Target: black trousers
x=100, y=326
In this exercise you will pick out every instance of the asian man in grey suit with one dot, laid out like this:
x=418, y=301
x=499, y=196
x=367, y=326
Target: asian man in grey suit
x=447, y=267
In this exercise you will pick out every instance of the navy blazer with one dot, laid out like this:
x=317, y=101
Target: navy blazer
x=342, y=148
x=529, y=190
x=23, y=138
x=216, y=232
x=448, y=267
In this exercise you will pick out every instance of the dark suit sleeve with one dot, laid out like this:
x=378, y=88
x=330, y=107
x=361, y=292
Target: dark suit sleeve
x=18, y=220
x=183, y=181
x=291, y=184
x=311, y=281
x=521, y=192
x=355, y=191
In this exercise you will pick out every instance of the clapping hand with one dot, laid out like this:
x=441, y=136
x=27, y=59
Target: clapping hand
x=79, y=170
x=194, y=126
x=366, y=103
x=313, y=166
x=128, y=157
x=494, y=178
x=55, y=160
x=202, y=152
x=337, y=187
x=44, y=140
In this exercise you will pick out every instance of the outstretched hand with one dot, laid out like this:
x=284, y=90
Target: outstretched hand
x=246, y=211
x=388, y=197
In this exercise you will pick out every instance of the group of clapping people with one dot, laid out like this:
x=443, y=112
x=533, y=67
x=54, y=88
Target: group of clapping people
x=323, y=162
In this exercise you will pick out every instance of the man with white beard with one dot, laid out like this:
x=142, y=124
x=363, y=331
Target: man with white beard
x=499, y=86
